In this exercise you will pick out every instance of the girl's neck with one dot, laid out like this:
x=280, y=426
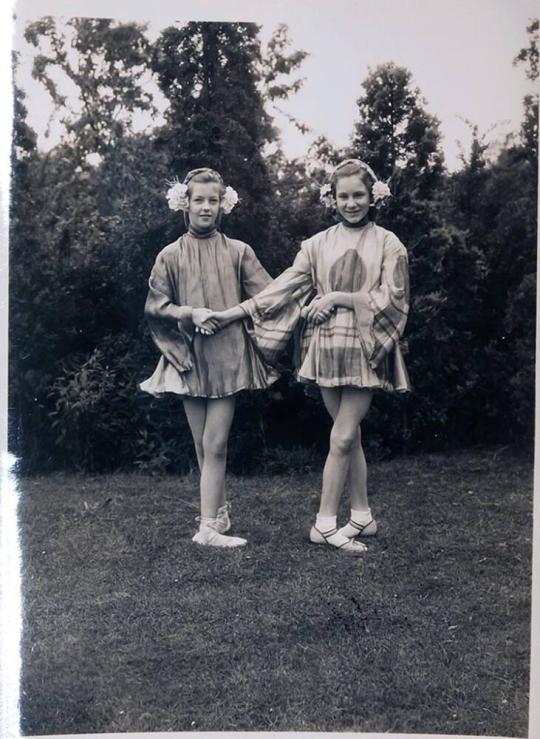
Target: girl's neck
x=199, y=234
x=355, y=226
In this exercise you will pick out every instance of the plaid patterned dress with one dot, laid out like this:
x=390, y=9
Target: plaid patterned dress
x=359, y=346
x=215, y=272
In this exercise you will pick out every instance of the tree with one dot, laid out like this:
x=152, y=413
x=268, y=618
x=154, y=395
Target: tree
x=23, y=241
x=211, y=74
x=63, y=257
x=105, y=62
x=100, y=220
x=395, y=128
x=529, y=56
x=496, y=203
x=296, y=184
x=401, y=140
x=277, y=64
x=511, y=213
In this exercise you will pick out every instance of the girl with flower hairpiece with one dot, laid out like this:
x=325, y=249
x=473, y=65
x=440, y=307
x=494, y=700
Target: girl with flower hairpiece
x=201, y=272
x=349, y=340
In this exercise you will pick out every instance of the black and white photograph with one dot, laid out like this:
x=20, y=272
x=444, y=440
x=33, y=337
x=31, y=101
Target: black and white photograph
x=270, y=353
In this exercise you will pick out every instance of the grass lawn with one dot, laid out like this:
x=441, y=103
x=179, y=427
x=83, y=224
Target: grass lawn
x=131, y=627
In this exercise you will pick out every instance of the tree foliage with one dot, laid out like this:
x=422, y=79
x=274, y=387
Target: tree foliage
x=212, y=77
x=105, y=63
x=89, y=216
x=528, y=56
x=401, y=140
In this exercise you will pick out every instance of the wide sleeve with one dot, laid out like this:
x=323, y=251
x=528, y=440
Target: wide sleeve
x=253, y=276
x=381, y=313
x=170, y=324
x=276, y=310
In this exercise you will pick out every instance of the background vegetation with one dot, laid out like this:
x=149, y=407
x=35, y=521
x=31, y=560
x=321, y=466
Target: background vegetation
x=127, y=625
x=89, y=216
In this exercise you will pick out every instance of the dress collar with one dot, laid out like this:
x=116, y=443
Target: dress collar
x=356, y=229
x=205, y=235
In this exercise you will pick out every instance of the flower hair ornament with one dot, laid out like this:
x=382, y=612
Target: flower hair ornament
x=379, y=190
x=229, y=199
x=178, y=195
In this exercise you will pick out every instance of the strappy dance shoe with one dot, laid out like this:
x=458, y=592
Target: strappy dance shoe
x=336, y=540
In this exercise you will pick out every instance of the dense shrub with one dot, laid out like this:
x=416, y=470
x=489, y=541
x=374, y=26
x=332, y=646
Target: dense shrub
x=88, y=218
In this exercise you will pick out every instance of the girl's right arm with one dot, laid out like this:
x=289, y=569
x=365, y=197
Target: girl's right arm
x=160, y=303
x=290, y=290
x=230, y=315
x=276, y=311
x=171, y=325
x=282, y=299
x=162, y=287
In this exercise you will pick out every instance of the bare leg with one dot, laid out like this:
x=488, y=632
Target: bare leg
x=357, y=477
x=353, y=406
x=210, y=422
x=196, y=412
x=195, y=409
x=219, y=416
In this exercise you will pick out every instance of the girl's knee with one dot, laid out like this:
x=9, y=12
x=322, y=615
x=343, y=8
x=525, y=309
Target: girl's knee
x=343, y=442
x=215, y=446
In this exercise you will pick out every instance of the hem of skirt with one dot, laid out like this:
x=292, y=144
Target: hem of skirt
x=162, y=393
x=353, y=382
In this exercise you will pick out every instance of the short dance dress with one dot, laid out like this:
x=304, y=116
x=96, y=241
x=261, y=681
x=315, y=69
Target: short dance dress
x=358, y=347
x=210, y=271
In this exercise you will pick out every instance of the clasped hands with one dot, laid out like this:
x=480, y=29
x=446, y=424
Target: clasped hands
x=209, y=322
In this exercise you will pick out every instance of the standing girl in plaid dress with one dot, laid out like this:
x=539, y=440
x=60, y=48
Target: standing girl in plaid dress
x=349, y=339
x=205, y=270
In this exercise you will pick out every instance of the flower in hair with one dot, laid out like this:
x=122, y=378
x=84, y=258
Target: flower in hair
x=380, y=191
x=177, y=196
x=229, y=199
x=325, y=195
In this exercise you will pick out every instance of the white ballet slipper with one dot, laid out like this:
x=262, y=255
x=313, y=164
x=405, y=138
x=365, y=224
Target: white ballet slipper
x=224, y=518
x=208, y=536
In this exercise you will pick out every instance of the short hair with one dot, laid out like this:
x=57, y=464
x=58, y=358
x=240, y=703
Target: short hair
x=351, y=167
x=355, y=167
x=204, y=175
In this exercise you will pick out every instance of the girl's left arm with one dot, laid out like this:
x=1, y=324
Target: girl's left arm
x=253, y=279
x=281, y=298
x=274, y=306
x=253, y=276
x=320, y=308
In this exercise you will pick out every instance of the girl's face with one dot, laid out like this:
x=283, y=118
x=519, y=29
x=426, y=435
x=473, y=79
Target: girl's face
x=352, y=198
x=204, y=203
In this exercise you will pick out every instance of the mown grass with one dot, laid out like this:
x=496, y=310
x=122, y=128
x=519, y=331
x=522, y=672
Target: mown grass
x=130, y=627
